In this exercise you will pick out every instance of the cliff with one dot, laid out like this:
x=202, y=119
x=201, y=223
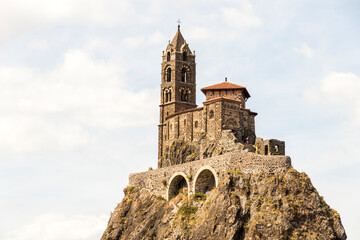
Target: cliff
x=243, y=206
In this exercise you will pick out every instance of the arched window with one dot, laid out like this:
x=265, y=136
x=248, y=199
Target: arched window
x=211, y=114
x=168, y=56
x=196, y=124
x=183, y=75
x=170, y=95
x=184, y=56
x=166, y=96
x=168, y=73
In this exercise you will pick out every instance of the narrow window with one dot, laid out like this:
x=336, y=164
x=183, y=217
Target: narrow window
x=266, y=150
x=183, y=75
x=170, y=96
x=185, y=122
x=166, y=97
x=211, y=114
x=183, y=96
x=196, y=124
x=276, y=148
x=184, y=56
x=168, y=56
x=168, y=72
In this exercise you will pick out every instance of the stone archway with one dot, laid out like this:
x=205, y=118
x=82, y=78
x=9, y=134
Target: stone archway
x=205, y=180
x=176, y=183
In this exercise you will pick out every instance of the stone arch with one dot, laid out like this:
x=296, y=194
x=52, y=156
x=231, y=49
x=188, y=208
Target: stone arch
x=176, y=182
x=205, y=180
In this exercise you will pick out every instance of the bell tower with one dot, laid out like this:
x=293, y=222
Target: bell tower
x=178, y=81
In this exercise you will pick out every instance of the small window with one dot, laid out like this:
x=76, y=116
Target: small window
x=276, y=148
x=168, y=56
x=185, y=122
x=266, y=149
x=168, y=73
x=196, y=124
x=183, y=75
x=211, y=114
x=184, y=56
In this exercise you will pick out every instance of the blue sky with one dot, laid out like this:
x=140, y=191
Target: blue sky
x=79, y=95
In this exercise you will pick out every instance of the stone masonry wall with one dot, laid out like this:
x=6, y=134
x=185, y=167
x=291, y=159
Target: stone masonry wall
x=157, y=181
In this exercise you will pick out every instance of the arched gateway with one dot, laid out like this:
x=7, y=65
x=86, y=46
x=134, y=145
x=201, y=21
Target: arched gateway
x=205, y=180
x=176, y=183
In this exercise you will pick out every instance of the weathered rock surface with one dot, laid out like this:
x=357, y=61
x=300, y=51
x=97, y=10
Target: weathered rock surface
x=243, y=206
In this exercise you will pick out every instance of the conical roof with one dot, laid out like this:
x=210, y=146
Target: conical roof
x=178, y=40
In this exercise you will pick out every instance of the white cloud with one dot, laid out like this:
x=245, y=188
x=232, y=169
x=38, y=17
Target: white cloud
x=241, y=18
x=200, y=33
x=305, y=50
x=340, y=90
x=19, y=17
x=155, y=38
x=54, y=110
x=61, y=227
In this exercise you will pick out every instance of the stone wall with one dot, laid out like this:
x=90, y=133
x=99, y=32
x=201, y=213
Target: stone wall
x=158, y=181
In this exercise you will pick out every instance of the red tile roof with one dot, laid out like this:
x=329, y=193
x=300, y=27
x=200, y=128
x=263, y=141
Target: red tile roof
x=219, y=99
x=226, y=86
x=184, y=111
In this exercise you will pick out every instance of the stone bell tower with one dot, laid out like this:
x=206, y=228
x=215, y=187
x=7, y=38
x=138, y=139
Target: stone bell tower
x=178, y=81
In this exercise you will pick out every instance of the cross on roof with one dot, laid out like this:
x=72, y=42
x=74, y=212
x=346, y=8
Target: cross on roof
x=178, y=21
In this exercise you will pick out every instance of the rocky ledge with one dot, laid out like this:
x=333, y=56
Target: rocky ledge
x=243, y=206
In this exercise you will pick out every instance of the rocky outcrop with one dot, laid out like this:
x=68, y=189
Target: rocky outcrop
x=242, y=206
x=179, y=152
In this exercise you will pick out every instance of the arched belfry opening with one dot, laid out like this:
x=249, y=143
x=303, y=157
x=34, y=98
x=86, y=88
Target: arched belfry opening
x=178, y=184
x=185, y=56
x=184, y=75
x=168, y=56
x=205, y=181
x=168, y=75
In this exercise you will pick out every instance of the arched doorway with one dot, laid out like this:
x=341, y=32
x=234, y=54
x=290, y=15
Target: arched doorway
x=205, y=180
x=177, y=183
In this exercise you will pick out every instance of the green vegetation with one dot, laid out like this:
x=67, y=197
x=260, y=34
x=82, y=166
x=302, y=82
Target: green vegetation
x=199, y=196
x=187, y=210
x=160, y=198
x=128, y=189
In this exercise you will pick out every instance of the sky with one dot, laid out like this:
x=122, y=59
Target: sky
x=79, y=96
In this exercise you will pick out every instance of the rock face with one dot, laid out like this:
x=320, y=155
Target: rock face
x=242, y=206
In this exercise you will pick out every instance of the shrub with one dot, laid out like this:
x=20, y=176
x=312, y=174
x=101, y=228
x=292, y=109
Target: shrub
x=187, y=210
x=199, y=196
x=128, y=189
